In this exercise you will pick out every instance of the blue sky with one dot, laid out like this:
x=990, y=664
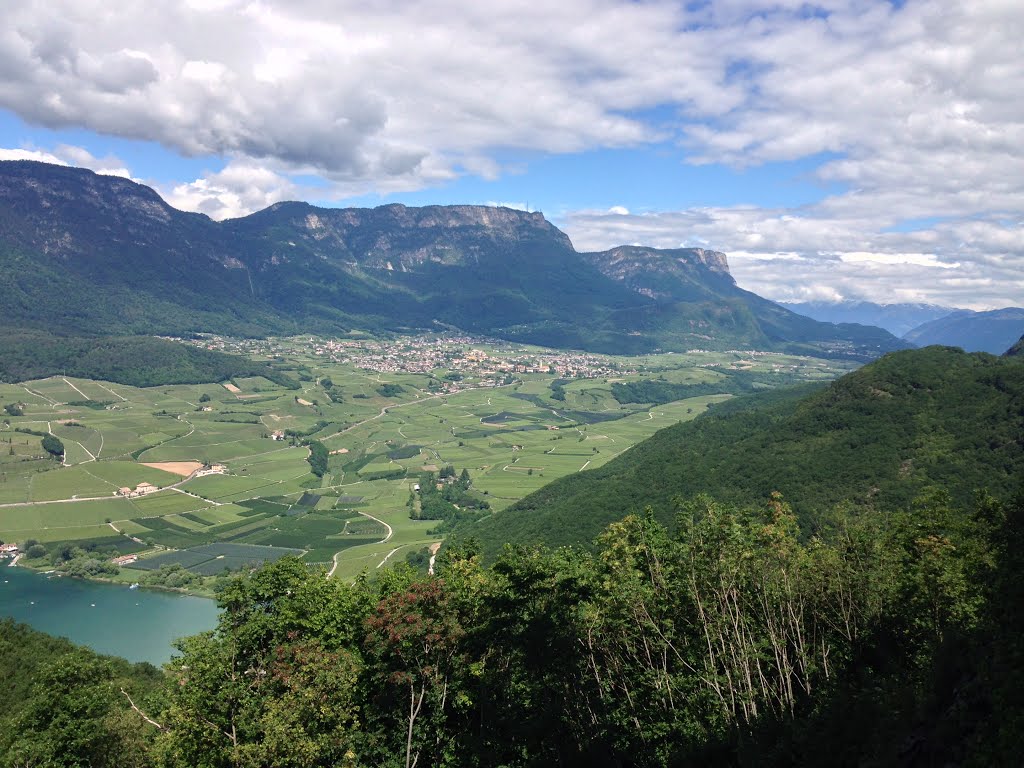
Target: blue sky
x=842, y=149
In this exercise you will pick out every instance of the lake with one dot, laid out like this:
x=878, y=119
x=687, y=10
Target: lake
x=138, y=624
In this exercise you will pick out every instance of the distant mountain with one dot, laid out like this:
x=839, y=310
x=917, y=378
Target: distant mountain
x=876, y=438
x=85, y=253
x=992, y=332
x=895, y=318
x=1017, y=350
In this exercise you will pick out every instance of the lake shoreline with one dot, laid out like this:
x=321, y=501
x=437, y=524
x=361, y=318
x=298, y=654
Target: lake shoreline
x=138, y=625
x=47, y=570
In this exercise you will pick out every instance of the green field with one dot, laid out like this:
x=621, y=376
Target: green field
x=512, y=432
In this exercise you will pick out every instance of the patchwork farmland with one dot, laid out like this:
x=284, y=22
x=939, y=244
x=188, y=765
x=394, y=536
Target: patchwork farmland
x=174, y=473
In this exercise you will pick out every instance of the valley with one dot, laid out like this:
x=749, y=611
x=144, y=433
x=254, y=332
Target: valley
x=227, y=464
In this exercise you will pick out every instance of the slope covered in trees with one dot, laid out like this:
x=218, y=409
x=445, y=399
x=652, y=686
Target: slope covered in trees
x=139, y=361
x=64, y=706
x=874, y=438
x=732, y=641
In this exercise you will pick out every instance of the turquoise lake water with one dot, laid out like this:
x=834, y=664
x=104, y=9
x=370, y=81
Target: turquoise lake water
x=138, y=624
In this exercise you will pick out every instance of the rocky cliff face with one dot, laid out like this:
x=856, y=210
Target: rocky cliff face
x=662, y=274
x=399, y=238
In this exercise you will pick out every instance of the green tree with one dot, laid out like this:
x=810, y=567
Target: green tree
x=53, y=446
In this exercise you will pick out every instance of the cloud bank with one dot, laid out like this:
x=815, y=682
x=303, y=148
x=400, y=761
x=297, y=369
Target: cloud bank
x=910, y=110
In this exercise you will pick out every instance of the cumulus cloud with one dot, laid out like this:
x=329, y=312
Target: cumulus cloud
x=910, y=106
x=65, y=154
x=796, y=255
x=235, y=191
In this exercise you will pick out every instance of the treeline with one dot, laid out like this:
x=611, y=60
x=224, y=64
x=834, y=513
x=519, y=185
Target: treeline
x=658, y=391
x=138, y=361
x=732, y=641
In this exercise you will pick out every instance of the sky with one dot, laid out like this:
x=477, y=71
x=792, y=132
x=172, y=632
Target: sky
x=835, y=150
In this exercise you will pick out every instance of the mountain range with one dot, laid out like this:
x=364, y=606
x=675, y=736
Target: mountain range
x=992, y=331
x=90, y=254
x=898, y=319
x=922, y=325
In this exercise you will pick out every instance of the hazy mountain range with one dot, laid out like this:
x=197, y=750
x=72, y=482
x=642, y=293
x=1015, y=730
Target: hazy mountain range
x=925, y=324
x=898, y=319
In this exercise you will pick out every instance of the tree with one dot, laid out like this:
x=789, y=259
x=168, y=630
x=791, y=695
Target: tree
x=318, y=456
x=53, y=446
x=204, y=398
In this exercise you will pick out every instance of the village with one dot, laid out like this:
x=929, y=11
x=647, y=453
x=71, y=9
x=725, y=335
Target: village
x=464, y=355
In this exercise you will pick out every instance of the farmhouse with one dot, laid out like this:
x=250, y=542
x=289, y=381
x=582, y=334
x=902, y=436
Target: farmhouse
x=8, y=550
x=142, y=489
x=213, y=469
x=277, y=434
x=124, y=559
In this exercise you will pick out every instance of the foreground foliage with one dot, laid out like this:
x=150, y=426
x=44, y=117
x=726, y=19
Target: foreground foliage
x=732, y=640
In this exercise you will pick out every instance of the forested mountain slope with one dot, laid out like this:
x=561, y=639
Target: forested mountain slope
x=875, y=438
x=88, y=254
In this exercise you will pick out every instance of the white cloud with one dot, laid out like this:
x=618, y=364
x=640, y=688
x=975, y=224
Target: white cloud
x=30, y=154
x=793, y=255
x=235, y=191
x=912, y=106
x=65, y=154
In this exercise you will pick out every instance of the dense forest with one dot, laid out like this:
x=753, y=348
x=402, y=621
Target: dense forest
x=886, y=639
x=138, y=361
x=876, y=438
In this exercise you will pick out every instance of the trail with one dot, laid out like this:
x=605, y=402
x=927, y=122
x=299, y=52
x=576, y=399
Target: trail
x=334, y=567
x=391, y=532
x=75, y=388
x=64, y=458
x=584, y=466
x=108, y=497
x=37, y=394
x=208, y=501
x=388, y=555
x=115, y=394
x=433, y=556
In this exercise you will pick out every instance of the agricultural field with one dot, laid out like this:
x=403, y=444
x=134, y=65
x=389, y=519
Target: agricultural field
x=229, y=464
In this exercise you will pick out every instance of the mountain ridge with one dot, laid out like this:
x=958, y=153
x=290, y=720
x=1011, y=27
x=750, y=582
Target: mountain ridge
x=897, y=318
x=993, y=331
x=130, y=263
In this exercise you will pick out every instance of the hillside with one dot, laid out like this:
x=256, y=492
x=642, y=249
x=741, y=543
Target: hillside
x=991, y=332
x=876, y=438
x=93, y=255
x=898, y=319
x=139, y=361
